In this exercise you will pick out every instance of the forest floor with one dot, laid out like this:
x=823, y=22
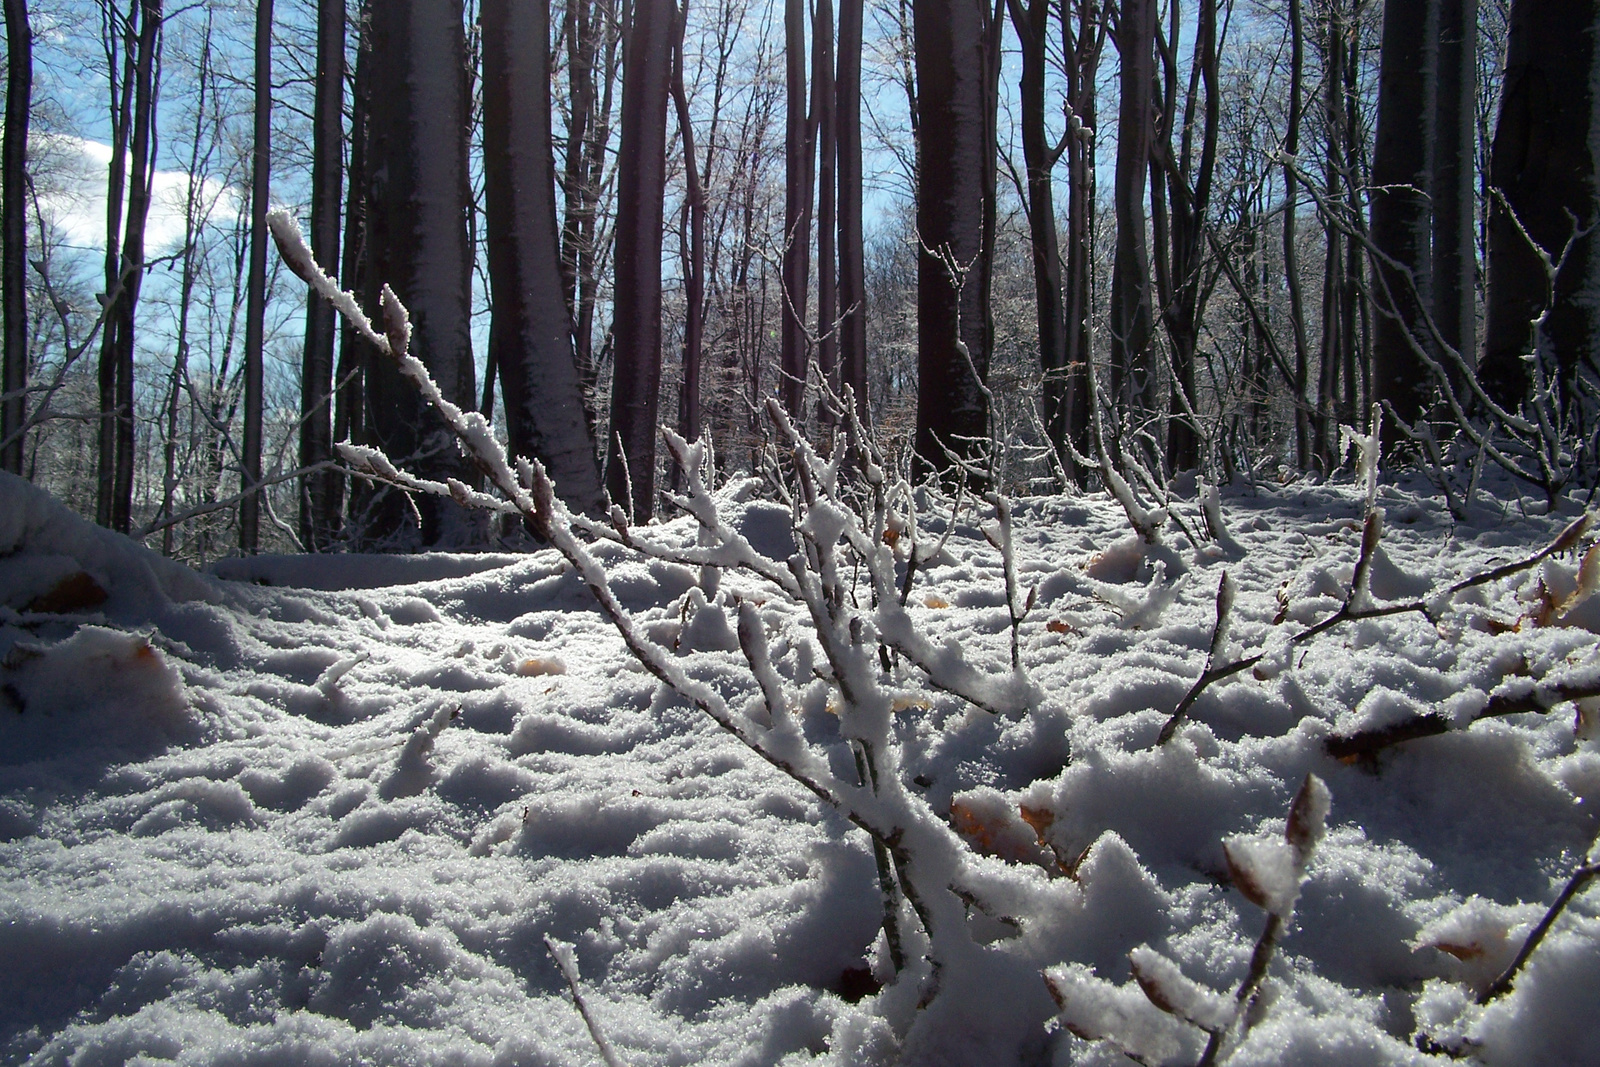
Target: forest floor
x=326, y=810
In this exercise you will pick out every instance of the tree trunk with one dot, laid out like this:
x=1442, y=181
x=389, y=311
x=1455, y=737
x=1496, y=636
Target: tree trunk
x=1453, y=195
x=120, y=316
x=120, y=37
x=321, y=494
x=1401, y=227
x=256, y=290
x=349, y=422
x=1039, y=157
x=530, y=332
x=416, y=179
x=825, y=123
x=1291, y=252
x=641, y=186
x=14, y=219
x=1543, y=169
x=1131, y=363
x=694, y=259
x=798, y=157
x=956, y=65
x=852, y=247
x=1180, y=187
x=1084, y=44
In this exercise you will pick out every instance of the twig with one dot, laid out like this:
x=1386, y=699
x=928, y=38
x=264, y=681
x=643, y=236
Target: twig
x=562, y=954
x=1575, y=885
x=1353, y=609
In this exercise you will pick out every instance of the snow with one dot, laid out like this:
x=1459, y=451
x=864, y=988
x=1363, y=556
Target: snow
x=378, y=810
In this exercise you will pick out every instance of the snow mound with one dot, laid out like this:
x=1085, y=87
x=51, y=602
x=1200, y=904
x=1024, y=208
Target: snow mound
x=99, y=689
x=43, y=544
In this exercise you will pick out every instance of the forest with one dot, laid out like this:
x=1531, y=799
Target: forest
x=932, y=533
x=1161, y=238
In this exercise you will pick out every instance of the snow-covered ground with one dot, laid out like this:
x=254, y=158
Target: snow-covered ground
x=327, y=810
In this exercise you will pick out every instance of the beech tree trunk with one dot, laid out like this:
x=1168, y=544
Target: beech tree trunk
x=14, y=235
x=1402, y=290
x=416, y=180
x=116, y=353
x=1180, y=197
x=798, y=158
x=1039, y=157
x=1543, y=169
x=321, y=494
x=956, y=66
x=349, y=412
x=1131, y=363
x=1084, y=43
x=641, y=186
x=530, y=332
x=825, y=143
x=1453, y=193
x=852, y=247
x=694, y=257
x=256, y=290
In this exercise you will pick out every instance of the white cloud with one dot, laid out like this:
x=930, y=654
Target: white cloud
x=71, y=180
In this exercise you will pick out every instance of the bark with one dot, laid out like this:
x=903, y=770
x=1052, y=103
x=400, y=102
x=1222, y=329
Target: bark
x=592, y=41
x=1401, y=228
x=1130, y=326
x=1291, y=252
x=14, y=232
x=1453, y=195
x=256, y=289
x=1084, y=44
x=530, y=332
x=1180, y=193
x=852, y=247
x=321, y=495
x=119, y=34
x=641, y=186
x=416, y=180
x=192, y=209
x=349, y=411
x=956, y=64
x=798, y=156
x=1543, y=169
x=117, y=439
x=825, y=123
x=694, y=258
x=1039, y=158
x=1337, y=340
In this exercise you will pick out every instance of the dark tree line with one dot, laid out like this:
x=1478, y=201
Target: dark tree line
x=1313, y=206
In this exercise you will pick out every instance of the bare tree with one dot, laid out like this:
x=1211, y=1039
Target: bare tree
x=1130, y=326
x=14, y=238
x=1453, y=195
x=1542, y=175
x=321, y=493
x=852, y=249
x=1032, y=24
x=1180, y=199
x=256, y=300
x=1401, y=228
x=133, y=146
x=798, y=154
x=957, y=63
x=641, y=188
x=530, y=333
x=416, y=184
x=694, y=246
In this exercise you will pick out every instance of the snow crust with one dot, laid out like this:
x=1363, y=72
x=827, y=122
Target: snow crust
x=333, y=818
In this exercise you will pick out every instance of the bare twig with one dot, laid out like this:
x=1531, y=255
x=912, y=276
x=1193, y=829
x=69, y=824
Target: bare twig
x=1576, y=884
x=562, y=955
x=1357, y=606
